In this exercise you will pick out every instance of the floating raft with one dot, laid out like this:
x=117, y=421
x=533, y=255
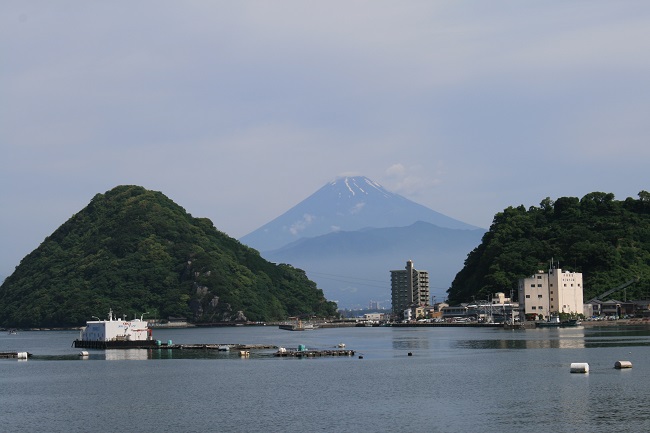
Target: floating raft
x=156, y=344
x=19, y=355
x=297, y=353
x=218, y=347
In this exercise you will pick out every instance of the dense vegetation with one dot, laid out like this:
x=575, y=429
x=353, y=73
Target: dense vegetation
x=605, y=239
x=136, y=251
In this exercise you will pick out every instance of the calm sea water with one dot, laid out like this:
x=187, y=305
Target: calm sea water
x=457, y=380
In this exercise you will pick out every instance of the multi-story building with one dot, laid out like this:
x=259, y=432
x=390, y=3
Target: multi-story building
x=549, y=293
x=409, y=289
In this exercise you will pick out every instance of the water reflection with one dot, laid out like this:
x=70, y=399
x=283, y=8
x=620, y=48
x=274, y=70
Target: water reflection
x=567, y=338
x=520, y=344
x=411, y=340
x=126, y=354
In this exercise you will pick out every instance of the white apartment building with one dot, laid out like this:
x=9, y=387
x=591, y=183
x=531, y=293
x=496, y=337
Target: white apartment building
x=552, y=292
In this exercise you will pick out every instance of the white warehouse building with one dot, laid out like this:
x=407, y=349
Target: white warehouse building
x=549, y=293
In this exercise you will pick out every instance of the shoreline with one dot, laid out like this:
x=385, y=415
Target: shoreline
x=585, y=323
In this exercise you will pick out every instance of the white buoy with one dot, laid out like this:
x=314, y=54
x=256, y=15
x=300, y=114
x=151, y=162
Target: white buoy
x=22, y=355
x=623, y=364
x=83, y=354
x=579, y=367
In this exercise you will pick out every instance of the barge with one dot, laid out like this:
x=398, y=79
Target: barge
x=115, y=333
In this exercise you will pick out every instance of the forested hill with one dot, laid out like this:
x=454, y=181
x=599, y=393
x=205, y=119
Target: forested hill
x=136, y=251
x=606, y=239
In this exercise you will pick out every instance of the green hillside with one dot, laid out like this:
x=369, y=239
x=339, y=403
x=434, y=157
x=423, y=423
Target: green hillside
x=605, y=239
x=136, y=251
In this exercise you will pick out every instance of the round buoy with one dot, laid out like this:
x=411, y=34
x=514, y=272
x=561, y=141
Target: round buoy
x=579, y=367
x=410, y=353
x=360, y=356
x=83, y=354
x=623, y=364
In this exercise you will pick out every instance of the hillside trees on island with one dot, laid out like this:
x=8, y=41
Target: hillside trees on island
x=607, y=240
x=135, y=251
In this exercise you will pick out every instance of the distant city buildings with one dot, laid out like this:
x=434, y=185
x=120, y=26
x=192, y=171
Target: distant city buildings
x=550, y=293
x=409, y=290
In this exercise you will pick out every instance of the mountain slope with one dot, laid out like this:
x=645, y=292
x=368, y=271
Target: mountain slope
x=136, y=251
x=346, y=204
x=354, y=267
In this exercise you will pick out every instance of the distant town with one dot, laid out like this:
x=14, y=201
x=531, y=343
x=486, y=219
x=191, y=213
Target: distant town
x=551, y=296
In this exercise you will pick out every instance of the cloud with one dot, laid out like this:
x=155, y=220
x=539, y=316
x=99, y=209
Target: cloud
x=301, y=225
x=396, y=170
x=357, y=208
x=411, y=181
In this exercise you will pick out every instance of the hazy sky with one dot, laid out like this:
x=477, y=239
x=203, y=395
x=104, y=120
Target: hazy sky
x=238, y=110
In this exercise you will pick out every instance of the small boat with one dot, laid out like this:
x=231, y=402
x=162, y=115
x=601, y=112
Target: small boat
x=552, y=322
x=572, y=322
x=556, y=323
x=514, y=325
x=298, y=326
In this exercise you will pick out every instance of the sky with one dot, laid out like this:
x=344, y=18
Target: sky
x=239, y=110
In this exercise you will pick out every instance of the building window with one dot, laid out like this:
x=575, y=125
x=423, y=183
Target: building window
x=539, y=285
x=527, y=296
x=539, y=277
x=532, y=285
x=539, y=296
x=534, y=307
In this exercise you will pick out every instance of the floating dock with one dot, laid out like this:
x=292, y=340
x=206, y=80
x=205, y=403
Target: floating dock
x=18, y=355
x=155, y=344
x=218, y=347
x=305, y=353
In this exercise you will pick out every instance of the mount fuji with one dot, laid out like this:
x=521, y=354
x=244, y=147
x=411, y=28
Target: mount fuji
x=345, y=204
x=349, y=234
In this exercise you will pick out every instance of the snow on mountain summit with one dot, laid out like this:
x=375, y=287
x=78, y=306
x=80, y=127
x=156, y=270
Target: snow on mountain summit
x=356, y=185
